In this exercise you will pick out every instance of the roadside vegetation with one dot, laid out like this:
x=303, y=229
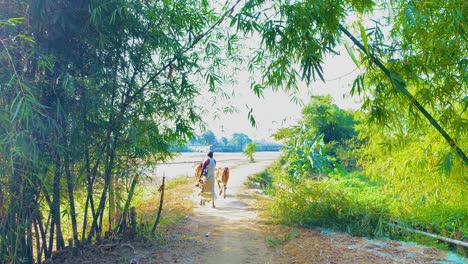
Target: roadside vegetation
x=334, y=174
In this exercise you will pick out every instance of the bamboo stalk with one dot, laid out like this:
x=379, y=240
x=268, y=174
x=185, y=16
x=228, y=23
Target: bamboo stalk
x=160, y=205
x=133, y=222
x=38, y=241
x=71, y=199
x=43, y=232
x=445, y=239
x=122, y=222
x=55, y=210
x=96, y=226
x=409, y=96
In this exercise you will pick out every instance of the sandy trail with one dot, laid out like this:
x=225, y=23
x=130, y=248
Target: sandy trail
x=232, y=230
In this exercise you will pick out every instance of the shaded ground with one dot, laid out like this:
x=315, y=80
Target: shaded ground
x=238, y=231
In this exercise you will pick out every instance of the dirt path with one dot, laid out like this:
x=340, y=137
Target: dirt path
x=230, y=233
x=234, y=232
x=233, y=229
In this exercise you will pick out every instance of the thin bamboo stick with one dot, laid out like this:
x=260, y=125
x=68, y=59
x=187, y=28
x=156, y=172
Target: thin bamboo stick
x=445, y=239
x=160, y=205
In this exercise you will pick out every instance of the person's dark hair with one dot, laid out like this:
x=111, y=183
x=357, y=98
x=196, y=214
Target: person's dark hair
x=210, y=154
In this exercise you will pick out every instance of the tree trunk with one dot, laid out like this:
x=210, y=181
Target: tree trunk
x=43, y=232
x=13, y=233
x=71, y=200
x=111, y=201
x=55, y=210
x=29, y=256
x=90, y=176
x=38, y=242
x=122, y=224
x=97, y=227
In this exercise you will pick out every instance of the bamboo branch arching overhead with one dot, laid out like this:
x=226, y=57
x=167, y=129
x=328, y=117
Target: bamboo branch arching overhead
x=401, y=87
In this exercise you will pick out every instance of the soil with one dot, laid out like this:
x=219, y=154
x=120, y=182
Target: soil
x=239, y=231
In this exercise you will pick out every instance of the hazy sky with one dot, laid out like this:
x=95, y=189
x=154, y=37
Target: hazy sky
x=275, y=110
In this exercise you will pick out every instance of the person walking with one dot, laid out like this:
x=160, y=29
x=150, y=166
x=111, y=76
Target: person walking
x=208, y=192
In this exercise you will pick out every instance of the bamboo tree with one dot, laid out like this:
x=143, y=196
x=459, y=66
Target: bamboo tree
x=42, y=241
x=96, y=80
x=71, y=200
x=296, y=39
x=161, y=200
x=400, y=85
x=55, y=210
x=123, y=223
x=96, y=226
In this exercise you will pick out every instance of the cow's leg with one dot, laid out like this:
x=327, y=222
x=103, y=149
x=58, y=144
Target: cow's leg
x=213, y=199
x=220, y=188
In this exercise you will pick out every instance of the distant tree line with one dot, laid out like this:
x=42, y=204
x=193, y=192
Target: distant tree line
x=236, y=143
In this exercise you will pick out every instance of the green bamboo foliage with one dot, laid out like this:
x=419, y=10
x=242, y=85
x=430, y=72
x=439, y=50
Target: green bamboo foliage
x=412, y=38
x=89, y=91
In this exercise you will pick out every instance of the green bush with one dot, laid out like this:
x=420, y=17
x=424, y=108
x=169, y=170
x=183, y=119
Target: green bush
x=353, y=203
x=339, y=204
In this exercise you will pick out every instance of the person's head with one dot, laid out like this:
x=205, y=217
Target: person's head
x=210, y=154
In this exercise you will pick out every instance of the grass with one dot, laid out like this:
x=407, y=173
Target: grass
x=355, y=204
x=176, y=205
x=281, y=240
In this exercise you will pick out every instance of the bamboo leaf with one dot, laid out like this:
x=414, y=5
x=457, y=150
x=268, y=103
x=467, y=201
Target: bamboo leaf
x=16, y=20
x=448, y=163
x=351, y=55
x=27, y=38
x=251, y=118
x=18, y=107
x=364, y=38
x=409, y=15
x=400, y=84
x=358, y=85
x=257, y=89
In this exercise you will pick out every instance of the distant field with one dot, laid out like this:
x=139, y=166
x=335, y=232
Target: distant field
x=184, y=164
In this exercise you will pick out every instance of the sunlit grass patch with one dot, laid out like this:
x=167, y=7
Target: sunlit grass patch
x=359, y=205
x=176, y=204
x=330, y=204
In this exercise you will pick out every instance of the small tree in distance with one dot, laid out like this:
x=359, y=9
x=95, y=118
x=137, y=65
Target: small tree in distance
x=249, y=150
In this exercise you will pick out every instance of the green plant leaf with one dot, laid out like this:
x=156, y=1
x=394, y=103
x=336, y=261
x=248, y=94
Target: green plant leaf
x=351, y=55
x=364, y=38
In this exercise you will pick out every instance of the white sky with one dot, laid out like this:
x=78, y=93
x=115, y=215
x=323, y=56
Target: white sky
x=276, y=110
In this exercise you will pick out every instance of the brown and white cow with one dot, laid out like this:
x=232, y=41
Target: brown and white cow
x=222, y=177
x=198, y=170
